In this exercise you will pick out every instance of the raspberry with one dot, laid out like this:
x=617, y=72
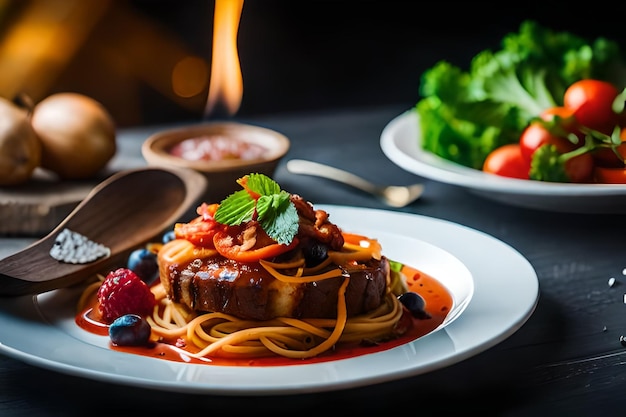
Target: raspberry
x=123, y=292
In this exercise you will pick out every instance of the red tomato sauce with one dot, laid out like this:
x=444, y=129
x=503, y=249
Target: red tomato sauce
x=438, y=304
x=216, y=148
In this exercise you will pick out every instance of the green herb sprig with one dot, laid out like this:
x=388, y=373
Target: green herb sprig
x=273, y=209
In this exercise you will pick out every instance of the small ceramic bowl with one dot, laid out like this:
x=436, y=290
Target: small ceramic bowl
x=222, y=151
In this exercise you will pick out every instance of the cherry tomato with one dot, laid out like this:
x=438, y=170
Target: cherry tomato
x=232, y=242
x=559, y=123
x=592, y=104
x=536, y=135
x=200, y=231
x=562, y=120
x=507, y=161
x=550, y=164
x=605, y=157
x=609, y=175
x=580, y=168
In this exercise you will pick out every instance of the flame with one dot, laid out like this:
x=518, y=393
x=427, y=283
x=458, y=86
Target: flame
x=226, y=83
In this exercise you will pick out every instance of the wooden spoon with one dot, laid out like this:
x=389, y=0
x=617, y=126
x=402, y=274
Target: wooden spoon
x=125, y=211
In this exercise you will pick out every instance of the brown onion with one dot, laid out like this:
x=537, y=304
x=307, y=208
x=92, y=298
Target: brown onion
x=20, y=150
x=77, y=135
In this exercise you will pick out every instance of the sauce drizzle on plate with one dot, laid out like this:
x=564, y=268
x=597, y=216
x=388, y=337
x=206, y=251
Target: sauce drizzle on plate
x=438, y=300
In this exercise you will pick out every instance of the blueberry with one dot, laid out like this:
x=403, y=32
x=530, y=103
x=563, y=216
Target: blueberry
x=143, y=262
x=415, y=304
x=168, y=236
x=315, y=253
x=129, y=330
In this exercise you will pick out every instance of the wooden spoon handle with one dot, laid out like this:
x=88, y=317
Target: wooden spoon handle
x=125, y=211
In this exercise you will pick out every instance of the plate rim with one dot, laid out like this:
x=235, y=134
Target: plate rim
x=436, y=168
x=332, y=375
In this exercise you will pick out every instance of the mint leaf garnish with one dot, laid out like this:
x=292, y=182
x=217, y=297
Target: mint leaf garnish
x=275, y=212
x=261, y=184
x=278, y=217
x=235, y=209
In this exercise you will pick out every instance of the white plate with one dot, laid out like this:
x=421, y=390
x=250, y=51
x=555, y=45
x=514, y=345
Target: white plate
x=400, y=142
x=487, y=309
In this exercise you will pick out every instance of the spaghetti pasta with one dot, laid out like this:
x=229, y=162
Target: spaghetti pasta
x=224, y=335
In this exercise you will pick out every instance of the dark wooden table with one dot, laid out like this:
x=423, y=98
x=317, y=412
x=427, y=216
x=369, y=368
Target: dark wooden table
x=567, y=359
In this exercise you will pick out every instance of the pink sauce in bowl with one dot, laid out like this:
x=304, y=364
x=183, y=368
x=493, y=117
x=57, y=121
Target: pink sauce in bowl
x=216, y=148
x=222, y=151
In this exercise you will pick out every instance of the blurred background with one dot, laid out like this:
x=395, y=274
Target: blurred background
x=149, y=61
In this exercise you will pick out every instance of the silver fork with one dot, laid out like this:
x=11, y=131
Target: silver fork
x=392, y=195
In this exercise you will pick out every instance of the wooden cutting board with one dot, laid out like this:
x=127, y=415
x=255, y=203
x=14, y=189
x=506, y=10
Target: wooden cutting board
x=35, y=208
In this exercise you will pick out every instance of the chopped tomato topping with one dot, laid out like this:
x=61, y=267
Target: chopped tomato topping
x=200, y=231
x=248, y=243
x=354, y=238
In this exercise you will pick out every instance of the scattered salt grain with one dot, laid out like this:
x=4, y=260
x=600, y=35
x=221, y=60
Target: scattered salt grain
x=611, y=281
x=74, y=248
x=624, y=271
x=622, y=340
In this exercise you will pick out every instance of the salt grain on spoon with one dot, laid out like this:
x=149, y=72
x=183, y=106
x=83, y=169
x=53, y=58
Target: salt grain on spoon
x=74, y=248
